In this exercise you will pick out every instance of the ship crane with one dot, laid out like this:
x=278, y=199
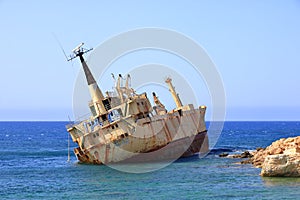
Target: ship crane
x=173, y=93
x=160, y=108
x=126, y=91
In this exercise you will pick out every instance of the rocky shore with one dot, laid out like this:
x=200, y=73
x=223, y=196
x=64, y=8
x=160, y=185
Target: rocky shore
x=281, y=158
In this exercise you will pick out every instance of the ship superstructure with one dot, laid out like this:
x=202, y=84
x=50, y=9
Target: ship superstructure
x=124, y=127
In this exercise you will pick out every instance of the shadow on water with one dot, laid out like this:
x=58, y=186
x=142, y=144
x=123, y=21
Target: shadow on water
x=281, y=181
x=192, y=158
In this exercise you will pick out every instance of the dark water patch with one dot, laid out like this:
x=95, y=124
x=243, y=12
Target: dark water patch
x=220, y=150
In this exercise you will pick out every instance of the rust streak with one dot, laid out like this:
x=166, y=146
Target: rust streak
x=106, y=153
x=167, y=131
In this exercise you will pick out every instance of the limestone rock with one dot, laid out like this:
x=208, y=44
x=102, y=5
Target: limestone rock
x=281, y=165
x=281, y=158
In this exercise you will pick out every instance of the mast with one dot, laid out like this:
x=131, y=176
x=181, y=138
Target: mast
x=173, y=93
x=95, y=92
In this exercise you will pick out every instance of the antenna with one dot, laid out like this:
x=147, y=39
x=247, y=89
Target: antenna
x=78, y=51
x=62, y=49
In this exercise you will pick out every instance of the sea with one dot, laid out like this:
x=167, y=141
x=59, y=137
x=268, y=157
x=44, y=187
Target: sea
x=34, y=165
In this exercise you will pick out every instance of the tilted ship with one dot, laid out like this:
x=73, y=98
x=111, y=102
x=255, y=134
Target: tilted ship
x=124, y=127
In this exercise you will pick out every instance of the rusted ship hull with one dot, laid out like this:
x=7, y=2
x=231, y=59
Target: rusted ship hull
x=183, y=147
x=153, y=139
x=173, y=151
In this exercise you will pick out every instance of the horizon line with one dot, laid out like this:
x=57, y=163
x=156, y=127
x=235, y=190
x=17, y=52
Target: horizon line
x=281, y=120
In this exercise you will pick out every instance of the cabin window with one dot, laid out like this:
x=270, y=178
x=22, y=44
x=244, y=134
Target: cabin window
x=113, y=127
x=117, y=125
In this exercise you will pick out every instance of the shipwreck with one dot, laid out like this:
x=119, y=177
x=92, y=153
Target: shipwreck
x=125, y=127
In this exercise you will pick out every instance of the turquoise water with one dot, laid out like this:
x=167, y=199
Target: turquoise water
x=34, y=166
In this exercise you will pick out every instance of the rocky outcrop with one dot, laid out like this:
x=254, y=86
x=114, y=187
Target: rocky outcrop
x=223, y=154
x=245, y=154
x=281, y=158
x=281, y=165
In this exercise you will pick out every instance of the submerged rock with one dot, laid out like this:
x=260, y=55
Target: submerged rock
x=245, y=154
x=247, y=161
x=223, y=154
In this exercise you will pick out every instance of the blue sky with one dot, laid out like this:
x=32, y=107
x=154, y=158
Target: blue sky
x=254, y=44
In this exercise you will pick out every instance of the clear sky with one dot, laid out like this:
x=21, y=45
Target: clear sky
x=254, y=44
